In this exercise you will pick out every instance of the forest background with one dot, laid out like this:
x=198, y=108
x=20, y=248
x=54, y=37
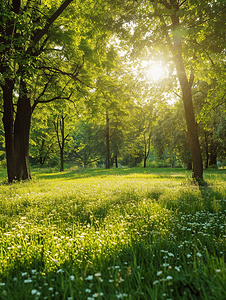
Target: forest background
x=112, y=83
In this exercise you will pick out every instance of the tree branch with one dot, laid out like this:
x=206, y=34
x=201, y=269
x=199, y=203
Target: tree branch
x=182, y=3
x=41, y=32
x=55, y=98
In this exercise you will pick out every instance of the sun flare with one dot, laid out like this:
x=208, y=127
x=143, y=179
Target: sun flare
x=153, y=70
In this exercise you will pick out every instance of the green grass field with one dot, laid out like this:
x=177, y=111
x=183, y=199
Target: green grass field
x=113, y=234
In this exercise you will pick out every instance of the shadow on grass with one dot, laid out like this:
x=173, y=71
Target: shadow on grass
x=68, y=279
x=125, y=272
x=86, y=173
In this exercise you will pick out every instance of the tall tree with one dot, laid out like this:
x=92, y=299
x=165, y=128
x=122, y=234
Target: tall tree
x=24, y=35
x=152, y=27
x=35, y=36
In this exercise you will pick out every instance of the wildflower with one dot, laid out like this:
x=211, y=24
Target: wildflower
x=199, y=254
x=218, y=270
x=120, y=296
x=28, y=280
x=23, y=274
x=177, y=268
x=155, y=282
x=159, y=273
x=171, y=254
x=33, y=292
x=111, y=280
x=72, y=277
x=188, y=255
x=165, y=265
x=88, y=291
x=50, y=288
x=60, y=271
x=2, y=283
x=90, y=277
x=169, y=278
x=98, y=274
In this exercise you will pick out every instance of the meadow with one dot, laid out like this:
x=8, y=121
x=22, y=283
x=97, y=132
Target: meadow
x=113, y=234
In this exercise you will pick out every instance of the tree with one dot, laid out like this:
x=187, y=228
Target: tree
x=46, y=41
x=186, y=85
x=151, y=27
x=24, y=36
x=59, y=125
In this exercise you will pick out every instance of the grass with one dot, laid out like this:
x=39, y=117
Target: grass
x=116, y=234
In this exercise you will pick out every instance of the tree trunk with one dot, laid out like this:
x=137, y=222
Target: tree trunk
x=145, y=154
x=207, y=151
x=8, y=122
x=116, y=161
x=21, y=135
x=145, y=161
x=187, y=97
x=107, y=142
x=192, y=129
x=61, y=159
x=213, y=154
x=135, y=161
x=59, y=126
x=189, y=165
x=17, y=133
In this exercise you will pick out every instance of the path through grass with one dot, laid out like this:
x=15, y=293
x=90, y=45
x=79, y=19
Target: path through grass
x=118, y=235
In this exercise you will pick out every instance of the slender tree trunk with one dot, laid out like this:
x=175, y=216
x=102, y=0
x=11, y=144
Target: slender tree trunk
x=107, y=142
x=59, y=126
x=207, y=151
x=189, y=165
x=213, y=154
x=146, y=148
x=61, y=159
x=145, y=162
x=145, y=155
x=116, y=161
x=135, y=161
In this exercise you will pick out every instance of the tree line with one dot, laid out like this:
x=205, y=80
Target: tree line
x=74, y=69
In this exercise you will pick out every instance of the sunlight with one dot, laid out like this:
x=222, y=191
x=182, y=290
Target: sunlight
x=153, y=70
